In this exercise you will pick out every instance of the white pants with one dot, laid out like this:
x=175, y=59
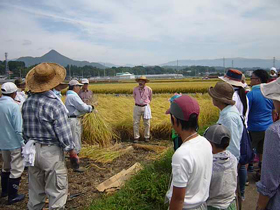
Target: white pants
x=76, y=128
x=12, y=162
x=48, y=177
x=138, y=112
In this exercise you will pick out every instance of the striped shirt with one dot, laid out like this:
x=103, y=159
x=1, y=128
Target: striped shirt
x=45, y=120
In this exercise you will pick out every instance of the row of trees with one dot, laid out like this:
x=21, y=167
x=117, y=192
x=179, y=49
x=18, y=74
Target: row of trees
x=19, y=69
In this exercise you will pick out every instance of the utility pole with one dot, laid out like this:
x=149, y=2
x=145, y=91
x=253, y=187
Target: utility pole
x=104, y=72
x=274, y=62
x=232, y=63
x=177, y=65
x=70, y=71
x=6, y=65
x=224, y=65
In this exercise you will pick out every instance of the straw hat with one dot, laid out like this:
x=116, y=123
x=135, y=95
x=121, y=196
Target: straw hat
x=44, y=77
x=233, y=77
x=142, y=78
x=222, y=92
x=271, y=90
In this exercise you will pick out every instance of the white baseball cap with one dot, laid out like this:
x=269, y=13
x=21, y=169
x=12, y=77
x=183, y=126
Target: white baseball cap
x=74, y=82
x=273, y=69
x=8, y=88
x=85, y=81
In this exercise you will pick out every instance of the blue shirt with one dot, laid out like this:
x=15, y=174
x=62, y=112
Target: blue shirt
x=260, y=110
x=230, y=118
x=11, y=124
x=269, y=185
x=75, y=105
x=45, y=120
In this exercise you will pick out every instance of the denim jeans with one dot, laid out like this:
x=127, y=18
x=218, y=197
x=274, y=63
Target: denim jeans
x=242, y=174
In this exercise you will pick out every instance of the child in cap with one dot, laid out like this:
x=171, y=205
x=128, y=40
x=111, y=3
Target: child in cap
x=224, y=176
x=192, y=161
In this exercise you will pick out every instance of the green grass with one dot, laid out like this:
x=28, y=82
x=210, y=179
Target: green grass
x=144, y=191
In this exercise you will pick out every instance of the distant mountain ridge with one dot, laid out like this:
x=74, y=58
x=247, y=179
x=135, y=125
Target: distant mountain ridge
x=237, y=62
x=55, y=57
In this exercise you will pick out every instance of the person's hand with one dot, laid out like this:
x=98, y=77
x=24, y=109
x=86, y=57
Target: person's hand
x=73, y=155
x=92, y=107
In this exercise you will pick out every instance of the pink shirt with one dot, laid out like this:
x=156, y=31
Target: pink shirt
x=86, y=96
x=142, y=96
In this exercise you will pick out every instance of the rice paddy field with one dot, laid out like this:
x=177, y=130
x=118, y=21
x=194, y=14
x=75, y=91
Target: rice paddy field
x=158, y=86
x=113, y=120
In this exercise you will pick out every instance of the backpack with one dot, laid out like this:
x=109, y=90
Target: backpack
x=246, y=152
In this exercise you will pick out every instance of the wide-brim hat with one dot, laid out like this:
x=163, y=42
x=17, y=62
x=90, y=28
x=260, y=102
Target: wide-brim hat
x=233, y=77
x=142, y=78
x=222, y=92
x=63, y=85
x=271, y=90
x=44, y=77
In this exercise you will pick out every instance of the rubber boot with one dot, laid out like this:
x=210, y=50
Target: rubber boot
x=13, y=196
x=4, y=183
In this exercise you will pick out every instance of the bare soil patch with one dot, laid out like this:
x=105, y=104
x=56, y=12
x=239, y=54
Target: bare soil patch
x=82, y=189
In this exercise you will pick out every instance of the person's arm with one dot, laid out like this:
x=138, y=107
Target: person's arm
x=81, y=106
x=177, y=199
x=17, y=124
x=262, y=202
x=269, y=183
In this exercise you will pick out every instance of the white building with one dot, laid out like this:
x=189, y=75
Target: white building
x=124, y=76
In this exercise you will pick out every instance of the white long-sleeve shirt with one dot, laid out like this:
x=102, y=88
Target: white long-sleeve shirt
x=75, y=105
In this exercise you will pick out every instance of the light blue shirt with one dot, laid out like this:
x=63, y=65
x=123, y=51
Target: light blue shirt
x=11, y=124
x=75, y=105
x=230, y=118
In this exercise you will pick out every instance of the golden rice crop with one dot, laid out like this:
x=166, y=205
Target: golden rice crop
x=115, y=118
x=158, y=87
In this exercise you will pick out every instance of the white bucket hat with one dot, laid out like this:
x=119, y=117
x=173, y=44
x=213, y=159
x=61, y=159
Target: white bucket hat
x=271, y=90
x=273, y=69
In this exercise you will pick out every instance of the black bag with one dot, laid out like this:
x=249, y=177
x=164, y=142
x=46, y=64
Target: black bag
x=246, y=152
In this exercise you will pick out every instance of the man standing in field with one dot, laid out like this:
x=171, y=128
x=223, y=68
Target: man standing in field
x=76, y=108
x=142, y=96
x=85, y=94
x=46, y=127
x=11, y=142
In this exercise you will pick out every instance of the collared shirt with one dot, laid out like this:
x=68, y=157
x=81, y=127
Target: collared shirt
x=269, y=185
x=260, y=110
x=45, y=121
x=11, y=124
x=224, y=180
x=75, y=105
x=230, y=118
x=20, y=97
x=142, y=96
x=86, y=95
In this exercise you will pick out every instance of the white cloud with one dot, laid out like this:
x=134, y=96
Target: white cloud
x=144, y=31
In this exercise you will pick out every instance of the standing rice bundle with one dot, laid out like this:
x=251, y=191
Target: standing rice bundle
x=97, y=131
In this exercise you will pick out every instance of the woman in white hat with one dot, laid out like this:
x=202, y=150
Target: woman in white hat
x=269, y=185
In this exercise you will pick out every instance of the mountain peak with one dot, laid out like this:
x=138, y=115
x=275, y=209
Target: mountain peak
x=52, y=52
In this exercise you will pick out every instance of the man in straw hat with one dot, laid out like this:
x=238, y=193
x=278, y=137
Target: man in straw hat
x=45, y=124
x=142, y=96
x=11, y=141
x=229, y=115
x=76, y=108
x=269, y=185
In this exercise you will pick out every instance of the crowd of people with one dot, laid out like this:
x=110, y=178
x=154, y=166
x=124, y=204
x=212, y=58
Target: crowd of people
x=208, y=172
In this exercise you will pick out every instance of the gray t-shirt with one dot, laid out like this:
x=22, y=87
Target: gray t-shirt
x=224, y=180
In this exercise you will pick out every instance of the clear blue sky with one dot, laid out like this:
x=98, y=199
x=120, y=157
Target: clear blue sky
x=140, y=31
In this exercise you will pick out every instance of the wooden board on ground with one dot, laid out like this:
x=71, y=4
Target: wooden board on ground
x=116, y=181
